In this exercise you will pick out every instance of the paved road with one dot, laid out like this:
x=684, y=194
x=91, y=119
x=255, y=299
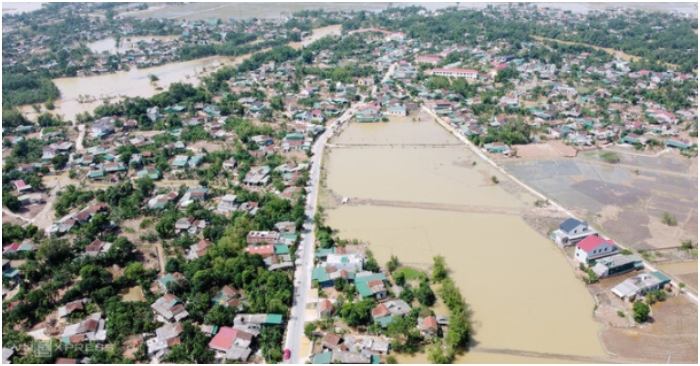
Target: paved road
x=305, y=252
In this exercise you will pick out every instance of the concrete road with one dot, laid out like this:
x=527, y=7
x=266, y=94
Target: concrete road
x=305, y=252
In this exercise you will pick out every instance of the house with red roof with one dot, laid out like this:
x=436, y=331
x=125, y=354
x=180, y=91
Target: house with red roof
x=264, y=251
x=22, y=186
x=325, y=308
x=428, y=59
x=428, y=326
x=594, y=247
x=232, y=344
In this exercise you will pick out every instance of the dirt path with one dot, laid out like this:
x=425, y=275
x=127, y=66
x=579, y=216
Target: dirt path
x=81, y=137
x=160, y=253
x=456, y=207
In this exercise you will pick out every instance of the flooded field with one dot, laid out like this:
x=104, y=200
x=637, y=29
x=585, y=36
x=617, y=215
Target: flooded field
x=109, y=44
x=136, y=82
x=528, y=307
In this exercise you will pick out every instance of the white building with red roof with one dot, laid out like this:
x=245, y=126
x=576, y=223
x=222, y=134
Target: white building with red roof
x=594, y=247
x=232, y=344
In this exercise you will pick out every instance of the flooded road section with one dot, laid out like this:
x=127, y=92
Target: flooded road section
x=527, y=305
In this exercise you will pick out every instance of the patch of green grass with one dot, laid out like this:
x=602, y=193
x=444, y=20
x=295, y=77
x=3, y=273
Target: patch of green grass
x=410, y=273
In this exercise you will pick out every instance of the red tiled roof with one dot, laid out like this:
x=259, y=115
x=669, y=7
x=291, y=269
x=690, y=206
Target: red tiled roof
x=263, y=250
x=429, y=322
x=326, y=305
x=380, y=310
x=223, y=340
x=591, y=242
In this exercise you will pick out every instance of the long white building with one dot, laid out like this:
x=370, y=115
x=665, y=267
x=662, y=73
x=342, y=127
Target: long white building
x=456, y=73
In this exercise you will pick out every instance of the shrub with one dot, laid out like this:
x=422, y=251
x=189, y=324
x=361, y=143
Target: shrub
x=669, y=219
x=620, y=314
x=610, y=157
x=494, y=179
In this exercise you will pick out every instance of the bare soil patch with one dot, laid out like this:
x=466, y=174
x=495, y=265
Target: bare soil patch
x=672, y=336
x=550, y=149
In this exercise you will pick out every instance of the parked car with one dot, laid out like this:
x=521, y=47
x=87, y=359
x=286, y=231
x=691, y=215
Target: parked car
x=287, y=354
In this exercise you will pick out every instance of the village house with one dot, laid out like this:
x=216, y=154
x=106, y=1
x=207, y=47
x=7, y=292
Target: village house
x=71, y=307
x=90, y=330
x=168, y=309
x=640, y=284
x=594, y=247
x=227, y=204
x=198, y=250
x=166, y=337
x=428, y=326
x=232, y=344
x=571, y=231
x=97, y=247
x=617, y=264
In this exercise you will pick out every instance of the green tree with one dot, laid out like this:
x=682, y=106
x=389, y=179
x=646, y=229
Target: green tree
x=425, y=294
x=641, y=312
x=439, y=269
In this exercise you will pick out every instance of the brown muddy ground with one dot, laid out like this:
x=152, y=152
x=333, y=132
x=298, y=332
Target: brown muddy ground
x=671, y=337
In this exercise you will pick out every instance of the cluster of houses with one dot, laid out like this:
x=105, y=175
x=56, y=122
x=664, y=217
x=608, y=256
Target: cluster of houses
x=84, y=216
x=605, y=260
x=275, y=247
x=340, y=264
x=230, y=343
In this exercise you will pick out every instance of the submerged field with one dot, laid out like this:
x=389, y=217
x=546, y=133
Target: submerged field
x=418, y=202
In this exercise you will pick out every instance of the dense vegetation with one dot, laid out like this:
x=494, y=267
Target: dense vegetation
x=22, y=87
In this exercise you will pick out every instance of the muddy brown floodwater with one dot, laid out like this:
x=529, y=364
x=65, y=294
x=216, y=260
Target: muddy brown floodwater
x=136, y=82
x=528, y=307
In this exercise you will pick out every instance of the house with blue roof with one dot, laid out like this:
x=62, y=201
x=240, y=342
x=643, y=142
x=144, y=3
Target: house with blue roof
x=572, y=231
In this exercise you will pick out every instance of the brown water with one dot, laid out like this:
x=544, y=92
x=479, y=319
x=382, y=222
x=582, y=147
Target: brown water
x=109, y=44
x=520, y=287
x=136, y=82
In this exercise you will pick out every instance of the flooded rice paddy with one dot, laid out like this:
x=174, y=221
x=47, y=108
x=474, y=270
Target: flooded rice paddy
x=527, y=305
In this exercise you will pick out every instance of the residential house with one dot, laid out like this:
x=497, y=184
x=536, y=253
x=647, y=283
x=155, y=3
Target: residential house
x=198, y=250
x=678, y=143
x=232, y=344
x=169, y=309
x=228, y=203
x=71, y=307
x=259, y=175
x=594, y=247
x=325, y=308
x=640, y=284
x=571, y=231
x=267, y=237
x=264, y=251
x=193, y=195
x=331, y=341
x=90, y=330
x=371, y=285
x=8, y=272
x=21, y=186
x=166, y=337
x=617, y=264
x=397, y=110
x=97, y=247
x=428, y=326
